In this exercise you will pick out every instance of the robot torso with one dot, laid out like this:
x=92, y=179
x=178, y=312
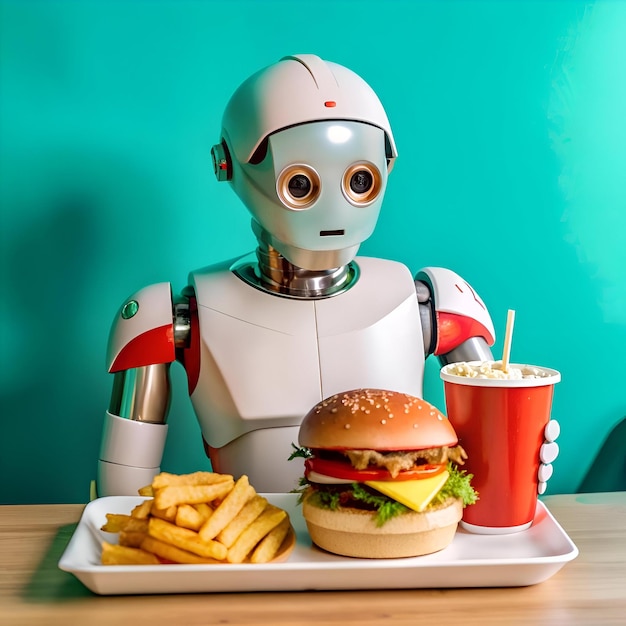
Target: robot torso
x=264, y=360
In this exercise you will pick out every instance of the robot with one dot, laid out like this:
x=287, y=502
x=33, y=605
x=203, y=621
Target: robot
x=307, y=147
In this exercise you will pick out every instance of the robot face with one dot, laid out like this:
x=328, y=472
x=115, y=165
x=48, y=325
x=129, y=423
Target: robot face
x=316, y=189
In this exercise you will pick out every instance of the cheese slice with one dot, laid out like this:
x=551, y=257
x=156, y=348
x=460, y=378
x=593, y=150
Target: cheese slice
x=416, y=494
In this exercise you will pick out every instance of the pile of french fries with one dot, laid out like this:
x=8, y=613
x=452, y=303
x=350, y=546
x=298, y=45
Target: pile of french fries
x=197, y=518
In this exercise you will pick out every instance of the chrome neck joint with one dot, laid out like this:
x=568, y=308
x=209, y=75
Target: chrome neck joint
x=270, y=271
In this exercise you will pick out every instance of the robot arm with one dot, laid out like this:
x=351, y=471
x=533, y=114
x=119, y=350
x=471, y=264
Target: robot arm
x=455, y=321
x=142, y=345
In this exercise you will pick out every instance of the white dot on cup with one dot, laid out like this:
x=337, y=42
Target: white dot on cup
x=545, y=472
x=552, y=430
x=548, y=452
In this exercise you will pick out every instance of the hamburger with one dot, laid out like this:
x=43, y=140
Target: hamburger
x=381, y=475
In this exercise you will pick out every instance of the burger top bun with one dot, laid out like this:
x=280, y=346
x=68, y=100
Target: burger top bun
x=375, y=419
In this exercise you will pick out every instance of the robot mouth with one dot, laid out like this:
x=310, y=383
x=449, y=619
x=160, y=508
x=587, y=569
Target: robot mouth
x=332, y=233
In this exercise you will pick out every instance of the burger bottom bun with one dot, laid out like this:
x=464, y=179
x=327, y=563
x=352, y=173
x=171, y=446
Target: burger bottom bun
x=353, y=532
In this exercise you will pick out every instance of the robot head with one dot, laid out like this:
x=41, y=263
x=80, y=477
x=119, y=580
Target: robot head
x=307, y=146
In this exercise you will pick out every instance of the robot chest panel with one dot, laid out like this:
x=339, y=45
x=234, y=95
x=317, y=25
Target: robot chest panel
x=267, y=357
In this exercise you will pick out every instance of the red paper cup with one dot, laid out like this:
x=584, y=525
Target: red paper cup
x=501, y=424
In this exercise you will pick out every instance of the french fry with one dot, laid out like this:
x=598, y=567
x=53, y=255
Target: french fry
x=251, y=510
x=197, y=478
x=270, y=544
x=136, y=524
x=146, y=491
x=186, y=539
x=188, y=516
x=115, y=522
x=172, y=553
x=131, y=538
x=269, y=519
x=228, y=509
x=199, y=518
x=142, y=510
x=131, y=529
x=204, y=509
x=168, y=514
x=190, y=494
x=113, y=554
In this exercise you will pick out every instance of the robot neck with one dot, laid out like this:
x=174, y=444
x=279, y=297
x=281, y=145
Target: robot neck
x=277, y=274
x=271, y=271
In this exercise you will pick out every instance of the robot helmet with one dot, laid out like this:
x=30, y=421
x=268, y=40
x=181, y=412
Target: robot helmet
x=298, y=89
x=307, y=147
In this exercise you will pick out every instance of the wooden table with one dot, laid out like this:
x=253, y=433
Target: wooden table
x=590, y=590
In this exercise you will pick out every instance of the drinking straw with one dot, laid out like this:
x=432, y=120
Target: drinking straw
x=506, y=353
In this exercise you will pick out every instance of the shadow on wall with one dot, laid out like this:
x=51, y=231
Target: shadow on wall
x=54, y=387
x=45, y=411
x=608, y=470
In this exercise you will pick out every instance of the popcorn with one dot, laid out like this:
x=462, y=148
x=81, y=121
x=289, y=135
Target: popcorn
x=493, y=369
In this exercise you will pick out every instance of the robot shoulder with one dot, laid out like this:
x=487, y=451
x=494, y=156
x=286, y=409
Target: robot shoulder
x=143, y=330
x=460, y=312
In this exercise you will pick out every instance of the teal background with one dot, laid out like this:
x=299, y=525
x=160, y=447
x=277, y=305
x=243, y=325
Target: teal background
x=511, y=128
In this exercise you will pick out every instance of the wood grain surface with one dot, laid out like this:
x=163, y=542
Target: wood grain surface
x=589, y=590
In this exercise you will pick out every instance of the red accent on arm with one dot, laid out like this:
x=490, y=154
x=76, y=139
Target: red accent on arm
x=453, y=330
x=330, y=104
x=191, y=355
x=153, y=346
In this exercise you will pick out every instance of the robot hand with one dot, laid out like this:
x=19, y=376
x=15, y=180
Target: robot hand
x=547, y=454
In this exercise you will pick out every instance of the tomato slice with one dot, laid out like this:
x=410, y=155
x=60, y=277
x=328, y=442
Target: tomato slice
x=344, y=470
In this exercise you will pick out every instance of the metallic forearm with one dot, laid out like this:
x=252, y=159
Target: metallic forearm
x=474, y=349
x=142, y=394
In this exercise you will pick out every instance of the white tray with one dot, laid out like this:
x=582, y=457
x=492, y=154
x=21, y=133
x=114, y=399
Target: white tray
x=520, y=559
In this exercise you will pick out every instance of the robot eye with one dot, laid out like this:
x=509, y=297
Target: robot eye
x=298, y=186
x=361, y=183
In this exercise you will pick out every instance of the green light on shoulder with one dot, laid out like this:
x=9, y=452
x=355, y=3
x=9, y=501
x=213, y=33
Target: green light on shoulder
x=130, y=309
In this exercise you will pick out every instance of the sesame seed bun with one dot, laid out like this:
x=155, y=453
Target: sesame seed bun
x=375, y=419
